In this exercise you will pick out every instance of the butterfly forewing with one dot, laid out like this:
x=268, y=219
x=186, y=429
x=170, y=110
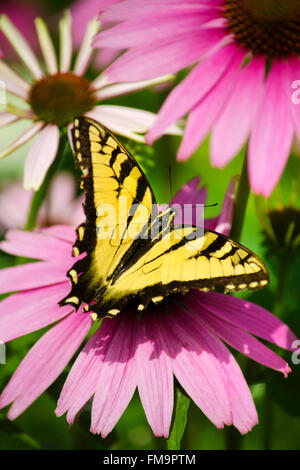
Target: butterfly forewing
x=133, y=253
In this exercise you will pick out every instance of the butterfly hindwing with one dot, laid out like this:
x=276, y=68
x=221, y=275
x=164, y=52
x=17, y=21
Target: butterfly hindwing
x=133, y=253
x=187, y=258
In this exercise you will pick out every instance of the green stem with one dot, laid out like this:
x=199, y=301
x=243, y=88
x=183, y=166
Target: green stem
x=182, y=402
x=40, y=194
x=233, y=437
x=268, y=421
x=283, y=281
x=240, y=203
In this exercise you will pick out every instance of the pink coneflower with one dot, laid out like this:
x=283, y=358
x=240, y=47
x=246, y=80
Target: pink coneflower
x=125, y=352
x=247, y=58
x=60, y=207
x=55, y=97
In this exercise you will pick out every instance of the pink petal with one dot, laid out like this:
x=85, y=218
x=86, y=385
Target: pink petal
x=29, y=311
x=40, y=157
x=187, y=199
x=116, y=381
x=63, y=232
x=244, y=415
x=14, y=205
x=35, y=245
x=196, y=369
x=233, y=125
x=31, y=276
x=192, y=89
x=190, y=193
x=271, y=139
x=242, y=341
x=154, y=376
x=44, y=362
x=294, y=74
x=222, y=223
x=166, y=56
x=208, y=108
x=83, y=377
x=130, y=122
x=22, y=138
x=123, y=11
x=152, y=28
x=247, y=316
x=7, y=118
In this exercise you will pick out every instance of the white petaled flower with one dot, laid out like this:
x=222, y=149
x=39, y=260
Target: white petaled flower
x=59, y=92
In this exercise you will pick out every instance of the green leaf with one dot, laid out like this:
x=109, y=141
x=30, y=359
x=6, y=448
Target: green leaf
x=182, y=402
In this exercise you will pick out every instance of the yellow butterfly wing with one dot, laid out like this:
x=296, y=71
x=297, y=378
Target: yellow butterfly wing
x=187, y=258
x=133, y=254
x=119, y=202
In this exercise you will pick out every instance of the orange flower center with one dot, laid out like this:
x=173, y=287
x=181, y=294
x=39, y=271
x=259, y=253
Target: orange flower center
x=58, y=99
x=265, y=27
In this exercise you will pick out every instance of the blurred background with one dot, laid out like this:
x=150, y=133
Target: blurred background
x=276, y=398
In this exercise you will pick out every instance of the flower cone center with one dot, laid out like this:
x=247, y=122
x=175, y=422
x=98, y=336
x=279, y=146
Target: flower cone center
x=58, y=99
x=265, y=27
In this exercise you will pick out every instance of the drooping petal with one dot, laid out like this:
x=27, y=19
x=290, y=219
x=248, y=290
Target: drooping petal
x=233, y=125
x=40, y=156
x=197, y=370
x=192, y=89
x=247, y=316
x=13, y=82
x=44, y=362
x=14, y=206
x=31, y=310
x=117, y=380
x=127, y=10
x=271, y=138
x=242, y=341
x=7, y=118
x=294, y=74
x=244, y=415
x=208, y=108
x=65, y=42
x=154, y=376
x=86, y=48
x=126, y=121
x=119, y=89
x=31, y=276
x=21, y=46
x=36, y=246
x=190, y=193
x=46, y=46
x=26, y=135
x=222, y=223
x=154, y=27
x=63, y=232
x=83, y=376
x=190, y=200
x=166, y=56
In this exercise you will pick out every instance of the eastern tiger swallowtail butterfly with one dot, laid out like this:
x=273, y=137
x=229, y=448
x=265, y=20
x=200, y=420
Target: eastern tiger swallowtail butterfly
x=117, y=268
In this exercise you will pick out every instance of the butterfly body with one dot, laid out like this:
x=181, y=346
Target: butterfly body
x=129, y=252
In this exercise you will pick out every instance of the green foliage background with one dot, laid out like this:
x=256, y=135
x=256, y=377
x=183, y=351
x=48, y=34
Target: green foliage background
x=276, y=398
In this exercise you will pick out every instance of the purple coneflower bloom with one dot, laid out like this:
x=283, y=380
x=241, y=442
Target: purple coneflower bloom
x=55, y=97
x=242, y=86
x=60, y=207
x=125, y=352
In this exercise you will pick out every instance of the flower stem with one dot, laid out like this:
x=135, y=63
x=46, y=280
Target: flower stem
x=240, y=203
x=233, y=437
x=40, y=194
x=182, y=402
